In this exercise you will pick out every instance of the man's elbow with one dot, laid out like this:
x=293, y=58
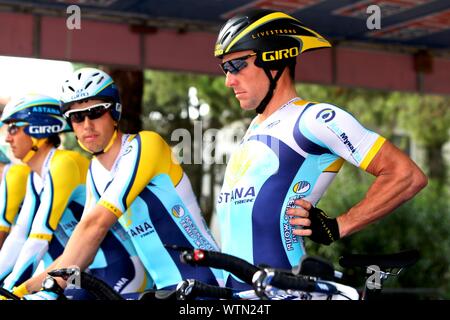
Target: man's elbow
x=417, y=181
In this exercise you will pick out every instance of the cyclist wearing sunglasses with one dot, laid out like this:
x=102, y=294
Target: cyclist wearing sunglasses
x=293, y=149
x=53, y=204
x=132, y=179
x=12, y=191
x=34, y=122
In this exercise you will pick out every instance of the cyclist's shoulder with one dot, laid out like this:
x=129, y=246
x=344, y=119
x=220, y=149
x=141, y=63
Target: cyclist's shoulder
x=67, y=160
x=18, y=170
x=69, y=155
x=312, y=106
x=147, y=136
x=320, y=113
x=301, y=108
x=149, y=142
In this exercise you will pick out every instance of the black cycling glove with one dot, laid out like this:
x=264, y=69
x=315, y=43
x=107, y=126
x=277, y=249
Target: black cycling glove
x=324, y=229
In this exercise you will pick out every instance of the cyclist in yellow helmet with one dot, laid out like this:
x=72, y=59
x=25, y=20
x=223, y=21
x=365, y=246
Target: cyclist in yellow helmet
x=293, y=149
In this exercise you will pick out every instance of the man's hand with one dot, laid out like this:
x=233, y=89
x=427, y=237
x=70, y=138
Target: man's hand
x=314, y=222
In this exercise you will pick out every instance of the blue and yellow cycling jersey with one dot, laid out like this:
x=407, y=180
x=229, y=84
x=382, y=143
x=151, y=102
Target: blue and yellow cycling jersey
x=12, y=192
x=128, y=273
x=53, y=205
x=295, y=153
x=153, y=199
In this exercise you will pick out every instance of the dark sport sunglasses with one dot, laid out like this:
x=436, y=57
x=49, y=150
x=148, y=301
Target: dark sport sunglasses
x=92, y=112
x=14, y=127
x=233, y=66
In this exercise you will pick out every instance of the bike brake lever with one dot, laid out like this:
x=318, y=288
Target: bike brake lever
x=64, y=273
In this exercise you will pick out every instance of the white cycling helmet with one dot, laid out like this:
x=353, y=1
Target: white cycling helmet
x=91, y=83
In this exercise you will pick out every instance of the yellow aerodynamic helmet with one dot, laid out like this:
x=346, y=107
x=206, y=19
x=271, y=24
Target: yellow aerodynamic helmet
x=276, y=37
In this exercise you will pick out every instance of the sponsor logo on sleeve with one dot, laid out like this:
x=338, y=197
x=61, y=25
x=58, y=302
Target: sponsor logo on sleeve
x=178, y=211
x=326, y=115
x=301, y=187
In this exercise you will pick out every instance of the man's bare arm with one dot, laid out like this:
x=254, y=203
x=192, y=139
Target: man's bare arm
x=82, y=246
x=398, y=179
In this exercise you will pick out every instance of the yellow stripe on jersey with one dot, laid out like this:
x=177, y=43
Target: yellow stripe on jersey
x=16, y=185
x=110, y=207
x=144, y=284
x=335, y=166
x=68, y=170
x=372, y=152
x=300, y=102
x=4, y=229
x=155, y=158
x=41, y=236
x=131, y=137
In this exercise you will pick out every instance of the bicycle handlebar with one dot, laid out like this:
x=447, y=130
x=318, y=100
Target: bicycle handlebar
x=286, y=281
x=194, y=288
x=7, y=294
x=247, y=272
x=214, y=259
x=98, y=288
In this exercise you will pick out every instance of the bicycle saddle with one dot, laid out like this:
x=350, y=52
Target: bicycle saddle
x=315, y=267
x=383, y=261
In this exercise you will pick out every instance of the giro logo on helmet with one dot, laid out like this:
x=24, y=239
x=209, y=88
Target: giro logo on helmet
x=46, y=129
x=280, y=54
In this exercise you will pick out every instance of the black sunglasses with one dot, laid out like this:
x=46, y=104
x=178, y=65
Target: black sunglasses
x=92, y=112
x=233, y=66
x=14, y=127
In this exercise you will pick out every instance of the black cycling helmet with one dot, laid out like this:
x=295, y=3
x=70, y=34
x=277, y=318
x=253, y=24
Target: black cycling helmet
x=277, y=38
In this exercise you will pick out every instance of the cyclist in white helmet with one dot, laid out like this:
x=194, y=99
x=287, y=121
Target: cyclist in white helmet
x=53, y=205
x=133, y=179
x=293, y=149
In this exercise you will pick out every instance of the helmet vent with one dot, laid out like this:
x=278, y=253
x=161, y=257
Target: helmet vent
x=79, y=76
x=88, y=84
x=226, y=35
x=96, y=74
x=71, y=88
x=239, y=21
x=62, y=88
x=100, y=80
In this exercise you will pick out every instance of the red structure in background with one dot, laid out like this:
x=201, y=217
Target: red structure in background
x=129, y=44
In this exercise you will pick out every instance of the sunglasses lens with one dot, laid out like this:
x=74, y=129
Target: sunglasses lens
x=76, y=117
x=234, y=66
x=13, y=129
x=97, y=113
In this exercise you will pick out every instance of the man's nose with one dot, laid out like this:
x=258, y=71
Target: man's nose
x=230, y=79
x=87, y=123
x=8, y=137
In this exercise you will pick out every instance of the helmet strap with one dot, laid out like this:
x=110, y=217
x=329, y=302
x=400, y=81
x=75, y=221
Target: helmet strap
x=273, y=84
x=37, y=143
x=106, y=149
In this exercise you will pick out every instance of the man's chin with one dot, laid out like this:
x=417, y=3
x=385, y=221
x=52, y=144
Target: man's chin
x=247, y=107
x=94, y=148
x=18, y=156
